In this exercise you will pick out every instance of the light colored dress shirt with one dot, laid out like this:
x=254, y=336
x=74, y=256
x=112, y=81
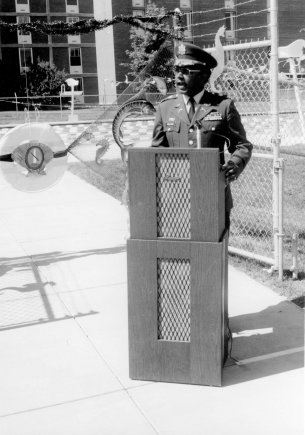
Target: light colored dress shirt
x=197, y=98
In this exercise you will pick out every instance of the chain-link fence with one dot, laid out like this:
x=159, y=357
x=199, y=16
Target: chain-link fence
x=252, y=217
x=294, y=209
x=246, y=79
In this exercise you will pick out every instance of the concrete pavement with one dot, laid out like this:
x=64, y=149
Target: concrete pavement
x=63, y=333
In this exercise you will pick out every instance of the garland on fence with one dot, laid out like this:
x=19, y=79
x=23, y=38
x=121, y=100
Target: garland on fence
x=147, y=23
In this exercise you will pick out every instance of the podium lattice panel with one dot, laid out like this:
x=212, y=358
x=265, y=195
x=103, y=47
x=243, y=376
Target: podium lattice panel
x=173, y=278
x=173, y=196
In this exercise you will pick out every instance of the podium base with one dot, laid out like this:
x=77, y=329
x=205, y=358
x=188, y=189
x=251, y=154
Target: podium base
x=177, y=306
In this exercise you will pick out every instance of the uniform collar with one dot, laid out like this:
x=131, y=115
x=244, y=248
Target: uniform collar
x=197, y=97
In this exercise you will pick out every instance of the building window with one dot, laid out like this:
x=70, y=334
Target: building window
x=23, y=36
x=75, y=57
x=20, y=20
x=73, y=39
x=138, y=12
x=185, y=4
x=79, y=87
x=72, y=20
x=230, y=4
x=188, y=26
x=138, y=3
x=72, y=6
x=75, y=61
x=230, y=18
x=22, y=6
x=25, y=58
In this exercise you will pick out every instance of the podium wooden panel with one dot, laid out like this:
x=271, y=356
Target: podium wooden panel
x=206, y=189
x=177, y=266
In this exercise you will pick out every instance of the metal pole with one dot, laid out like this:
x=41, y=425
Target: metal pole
x=16, y=101
x=72, y=102
x=274, y=110
x=294, y=250
x=177, y=26
x=281, y=214
x=297, y=94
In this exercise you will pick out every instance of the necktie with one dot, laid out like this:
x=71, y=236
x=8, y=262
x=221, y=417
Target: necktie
x=192, y=108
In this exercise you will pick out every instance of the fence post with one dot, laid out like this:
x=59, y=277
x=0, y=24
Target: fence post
x=16, y=101
x=178, y=33
x=274, y=106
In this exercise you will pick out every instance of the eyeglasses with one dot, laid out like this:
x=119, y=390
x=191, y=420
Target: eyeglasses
x=185, y=71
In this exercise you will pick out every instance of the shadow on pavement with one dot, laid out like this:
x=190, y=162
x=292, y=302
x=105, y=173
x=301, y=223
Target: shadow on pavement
x=32, y=303
x=266, y=343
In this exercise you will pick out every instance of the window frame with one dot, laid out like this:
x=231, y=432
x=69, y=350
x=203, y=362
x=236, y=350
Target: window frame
x=185, y=6
x=135, y=4
x=23, y=37
x=230, y=22
x=22, y=7
x=21, y=58
x=80, y=55
x=72, y=9
x=73, y=39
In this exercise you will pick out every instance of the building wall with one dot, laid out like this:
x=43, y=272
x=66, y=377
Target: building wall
x=38, y=6
x=291, y=19
x=105, y=53
x=53, y=48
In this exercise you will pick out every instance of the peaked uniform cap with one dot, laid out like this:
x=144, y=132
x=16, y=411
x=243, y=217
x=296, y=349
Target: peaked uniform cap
x=190, y=54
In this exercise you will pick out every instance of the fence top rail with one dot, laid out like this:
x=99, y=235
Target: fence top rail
x=242, y=46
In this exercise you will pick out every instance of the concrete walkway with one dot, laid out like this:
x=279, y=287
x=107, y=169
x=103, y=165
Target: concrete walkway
x=63, y=338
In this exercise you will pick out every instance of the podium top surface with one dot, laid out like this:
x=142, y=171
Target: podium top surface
x=186, y=150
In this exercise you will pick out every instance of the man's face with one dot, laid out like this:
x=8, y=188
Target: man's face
x=190, y=79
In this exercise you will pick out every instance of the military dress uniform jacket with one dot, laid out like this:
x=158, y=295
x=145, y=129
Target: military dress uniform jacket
x=220, y=126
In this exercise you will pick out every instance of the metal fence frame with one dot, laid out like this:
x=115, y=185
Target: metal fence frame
x=276, y=261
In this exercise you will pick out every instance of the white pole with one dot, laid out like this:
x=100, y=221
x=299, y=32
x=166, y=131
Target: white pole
x=281, y=215
x=274, y=106
x=297, y=94
x=177, y=26
x=72, y=102
x=294, y=250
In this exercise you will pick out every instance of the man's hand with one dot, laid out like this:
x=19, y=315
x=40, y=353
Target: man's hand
x=231, y=171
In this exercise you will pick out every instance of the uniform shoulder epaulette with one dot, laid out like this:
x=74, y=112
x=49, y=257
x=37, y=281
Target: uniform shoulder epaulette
x=169, y=97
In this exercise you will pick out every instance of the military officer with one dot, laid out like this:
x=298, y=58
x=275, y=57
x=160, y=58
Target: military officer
x=179, y=116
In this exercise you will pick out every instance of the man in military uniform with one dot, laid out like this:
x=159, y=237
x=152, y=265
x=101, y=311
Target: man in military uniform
x=179, y=116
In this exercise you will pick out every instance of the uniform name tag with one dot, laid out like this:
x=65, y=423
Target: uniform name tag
x=171, y=121
x=213, y=116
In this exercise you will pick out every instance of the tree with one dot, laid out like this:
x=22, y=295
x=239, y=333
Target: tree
x=42, y=80
x=145, y=44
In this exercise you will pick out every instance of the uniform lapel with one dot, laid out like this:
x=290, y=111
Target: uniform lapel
x=181, y=110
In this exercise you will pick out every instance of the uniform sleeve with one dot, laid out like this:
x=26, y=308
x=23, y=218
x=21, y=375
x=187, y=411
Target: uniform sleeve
x=159, y=136
x=240, y=148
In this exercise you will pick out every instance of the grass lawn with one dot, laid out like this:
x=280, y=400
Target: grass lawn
x=110, y=177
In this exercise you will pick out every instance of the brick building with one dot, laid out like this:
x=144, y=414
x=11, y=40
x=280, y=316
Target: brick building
x=74, y=53
x=234, y=14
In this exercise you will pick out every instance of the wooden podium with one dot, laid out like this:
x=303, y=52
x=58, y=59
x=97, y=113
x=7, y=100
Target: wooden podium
x=177, y=266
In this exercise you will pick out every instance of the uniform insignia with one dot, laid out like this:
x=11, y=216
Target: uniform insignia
x=213, y=116
x=171, y=122
x=181, y=49
x=169, y=97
